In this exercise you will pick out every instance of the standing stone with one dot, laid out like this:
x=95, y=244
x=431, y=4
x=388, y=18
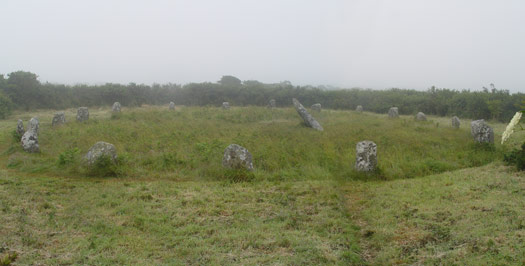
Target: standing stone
x=421, y=117
x=101, y=149
x=225, y=105
x=172, y=106
x=82, y=114
x=455, y=122
x=359, y=109
x=316, y=107
x=308, y=119
x=237, y=157
x=393, y=112
x=481, y=132
x=366, y=156
x=272, y=103
x=20, y=128
x=116, y=107
x=59, y=119
x=30, y=138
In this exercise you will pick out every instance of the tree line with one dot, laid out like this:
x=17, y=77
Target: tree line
x=23, y=91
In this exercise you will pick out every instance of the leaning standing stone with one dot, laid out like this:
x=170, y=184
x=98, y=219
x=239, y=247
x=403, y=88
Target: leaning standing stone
x=59, y=119
x=393, y=112
x=359, y=108
x=116, y=107
x=481, y=132
x=455, y=122
x=225, y=105
x=30, y=137
x=172, y=106
x=99, y=150
x=82, y=114
x=366, y=156
x=316, y=107
x=237, y=157
x=308, y=119
x=421, y=117
x=20, y=128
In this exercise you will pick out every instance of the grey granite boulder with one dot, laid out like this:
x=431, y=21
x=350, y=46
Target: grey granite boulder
x=82, y=114
x=116, y=107
x=20, y=127
x=272, y=104
x=30, y=138
x=226, y=105
x=481, y=132
x=59, y=119
x=455, y=122
x=366, y=156
x=172, y=106
x=359, y=109
x=237, y=157
x=316, y=107
x=421, y=117
x=308, y=119
x=393, y=112
x=99, y=150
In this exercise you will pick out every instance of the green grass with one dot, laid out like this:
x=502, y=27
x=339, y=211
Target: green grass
x=173, y=203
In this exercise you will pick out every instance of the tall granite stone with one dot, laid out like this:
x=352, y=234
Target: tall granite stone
x=272, y=104
x=116, y=107
x=481, y=132
x=82, y=114
x=421, y=117
x=393, y=112
x=59, y=119
x=366, y=156
x=237, y=157
x=172, y=106
x=308, y=119
x=316, y=107
x=359, y=109
x=455, y=122
x=30, y=138
x=20, y=127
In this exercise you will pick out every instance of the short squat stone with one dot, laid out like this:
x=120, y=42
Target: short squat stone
x=237, y=157
x=20, y=127
x=59, y=119
x=82, y=114
x=359, y=109
x=316, y=107
x=99, y=150
x=455, y=122
x=172, y=106
x=116, y=107
x=481, y=132
x=421, y=117
x=393, y=112
x=226, y=105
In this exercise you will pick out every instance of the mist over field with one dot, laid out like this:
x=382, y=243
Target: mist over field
x=370, y=44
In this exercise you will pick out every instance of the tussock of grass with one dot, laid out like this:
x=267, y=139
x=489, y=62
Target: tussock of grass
x=188, y=144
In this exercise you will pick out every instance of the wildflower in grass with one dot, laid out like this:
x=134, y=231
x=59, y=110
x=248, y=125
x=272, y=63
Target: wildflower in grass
x=510, y=127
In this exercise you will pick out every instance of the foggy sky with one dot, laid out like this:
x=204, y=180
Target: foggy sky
x=414, y=44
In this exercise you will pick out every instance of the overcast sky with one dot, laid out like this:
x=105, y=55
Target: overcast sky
x=374, y=44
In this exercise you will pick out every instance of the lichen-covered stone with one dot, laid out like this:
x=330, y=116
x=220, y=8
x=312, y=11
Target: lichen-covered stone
x=20, y=127
x=481, y=132
x=421, y=117
x=359, y=108
x=30, y=138
x=59, y=119
x=316, y=107
x=272, y=103
x=455, y=122
x=225, y=105
x=393, y=112
x=172, y=106
x=82, y=114
x=99, y=150
x=237, y=157
x=308, y=119
x=116, y=107
x=366, y=156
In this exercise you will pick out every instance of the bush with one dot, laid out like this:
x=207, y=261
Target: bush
x=68, y=156
x=516, y=157
x=6, y=106
x=103, y=166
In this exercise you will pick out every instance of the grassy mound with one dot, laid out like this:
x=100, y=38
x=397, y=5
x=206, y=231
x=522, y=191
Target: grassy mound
x=188, y=144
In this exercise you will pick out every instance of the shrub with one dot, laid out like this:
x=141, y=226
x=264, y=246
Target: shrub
x=6, y=106
x=103, y=166
x=67, y=157
x=516, y=157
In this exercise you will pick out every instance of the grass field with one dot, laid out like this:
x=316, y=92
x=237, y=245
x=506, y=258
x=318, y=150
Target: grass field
x=438, y=199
